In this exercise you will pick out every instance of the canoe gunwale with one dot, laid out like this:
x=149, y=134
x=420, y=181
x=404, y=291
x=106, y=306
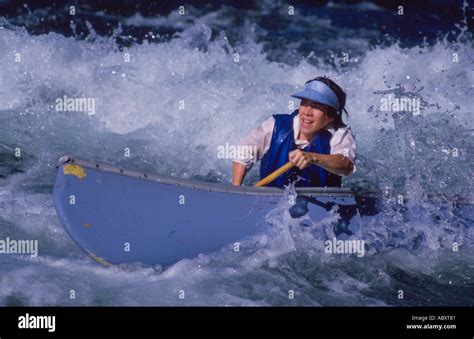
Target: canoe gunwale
x=208, y=186
x=252, y=190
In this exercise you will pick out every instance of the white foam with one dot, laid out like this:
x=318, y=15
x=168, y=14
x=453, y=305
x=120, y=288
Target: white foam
x=138, y=106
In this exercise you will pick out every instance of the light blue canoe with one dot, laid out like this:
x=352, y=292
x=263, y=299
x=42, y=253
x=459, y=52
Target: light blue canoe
x=121, y=216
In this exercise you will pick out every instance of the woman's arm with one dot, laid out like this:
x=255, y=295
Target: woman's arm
x=238, y=173
x=257, y=143
x=334, y=163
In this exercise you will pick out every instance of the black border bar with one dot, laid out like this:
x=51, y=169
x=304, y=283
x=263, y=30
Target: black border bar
x=240, y=321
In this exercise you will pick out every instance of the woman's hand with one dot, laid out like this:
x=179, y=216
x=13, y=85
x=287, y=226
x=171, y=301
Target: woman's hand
x=300, y=159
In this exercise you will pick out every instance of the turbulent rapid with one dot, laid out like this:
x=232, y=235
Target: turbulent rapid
x=172, y=100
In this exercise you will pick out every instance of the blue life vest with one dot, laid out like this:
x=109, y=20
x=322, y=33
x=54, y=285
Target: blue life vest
x=282, y=143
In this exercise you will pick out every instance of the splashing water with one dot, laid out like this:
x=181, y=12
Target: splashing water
x=409, y=247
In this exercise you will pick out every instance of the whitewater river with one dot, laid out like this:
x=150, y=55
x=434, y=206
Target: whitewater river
x=230, y=69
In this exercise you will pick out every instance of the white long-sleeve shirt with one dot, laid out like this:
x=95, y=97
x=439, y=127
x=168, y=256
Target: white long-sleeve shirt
x=259, y=139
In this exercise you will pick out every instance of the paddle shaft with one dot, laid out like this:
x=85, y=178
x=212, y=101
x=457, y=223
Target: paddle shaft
x=269, y=178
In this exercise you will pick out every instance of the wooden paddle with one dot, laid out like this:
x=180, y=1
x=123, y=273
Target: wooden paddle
x=272, y=176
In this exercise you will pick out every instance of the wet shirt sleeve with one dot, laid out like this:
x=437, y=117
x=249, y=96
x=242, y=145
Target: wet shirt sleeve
x=343, y=142
x=254, y=145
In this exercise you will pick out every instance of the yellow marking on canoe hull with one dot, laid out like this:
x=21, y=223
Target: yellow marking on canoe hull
x=75, y=170
x=100, y=260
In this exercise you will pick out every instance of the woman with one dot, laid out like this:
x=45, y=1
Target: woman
x=314, y=138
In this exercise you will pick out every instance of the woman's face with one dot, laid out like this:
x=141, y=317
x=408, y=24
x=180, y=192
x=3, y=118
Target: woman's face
x=313, y=117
